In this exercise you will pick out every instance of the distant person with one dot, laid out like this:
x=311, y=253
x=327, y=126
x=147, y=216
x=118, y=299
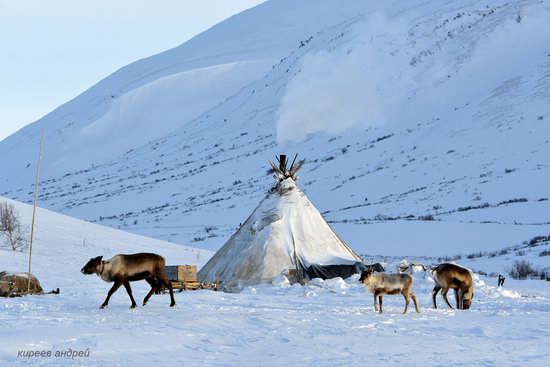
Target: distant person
x=501, y=280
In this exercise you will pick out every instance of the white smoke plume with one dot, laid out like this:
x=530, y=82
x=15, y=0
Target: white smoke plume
x=348, y=87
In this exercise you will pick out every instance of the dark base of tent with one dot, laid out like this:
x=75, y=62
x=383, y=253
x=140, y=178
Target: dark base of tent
x=330, y=271
x=342, y=271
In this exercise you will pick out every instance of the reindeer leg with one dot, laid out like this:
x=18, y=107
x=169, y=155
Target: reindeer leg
x=413, y=296
x=381, y=299
x=376, y=301
x=444, y=294
x=407, y=300
x=460, y=299
x=151, y=282
x=129, y=290
x=172, y=300
x=457, y=298
x=164, y=280
x=111, y=291
x=146, y=299
x=434, y=294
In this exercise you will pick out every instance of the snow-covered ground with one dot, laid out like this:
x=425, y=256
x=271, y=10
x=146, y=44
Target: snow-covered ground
x=326, y=323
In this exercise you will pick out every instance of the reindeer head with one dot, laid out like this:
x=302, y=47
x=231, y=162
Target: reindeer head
x=467, y=300
x=92, y=266
x=5, y=288
x=365, y=275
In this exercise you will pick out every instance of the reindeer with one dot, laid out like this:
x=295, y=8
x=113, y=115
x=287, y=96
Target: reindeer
x=447, y=276
x=123, y=269
x=381, y=284
x=411, y=268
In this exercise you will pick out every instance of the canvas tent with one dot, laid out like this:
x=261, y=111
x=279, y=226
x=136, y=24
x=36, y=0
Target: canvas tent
x=284, y=232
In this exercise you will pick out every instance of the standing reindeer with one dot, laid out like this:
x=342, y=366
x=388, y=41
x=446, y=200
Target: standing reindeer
x=381, y=284
x=447, y=276
x=123, y=269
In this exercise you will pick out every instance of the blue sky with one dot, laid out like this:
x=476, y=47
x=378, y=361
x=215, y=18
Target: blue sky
x=51, y=51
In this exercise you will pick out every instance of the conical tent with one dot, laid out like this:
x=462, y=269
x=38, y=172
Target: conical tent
x=284, y=232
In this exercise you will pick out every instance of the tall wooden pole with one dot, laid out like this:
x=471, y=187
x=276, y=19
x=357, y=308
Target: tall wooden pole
x=34, y=210
x=282, y=163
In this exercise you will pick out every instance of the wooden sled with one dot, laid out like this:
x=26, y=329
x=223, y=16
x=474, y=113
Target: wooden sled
x=184, y=278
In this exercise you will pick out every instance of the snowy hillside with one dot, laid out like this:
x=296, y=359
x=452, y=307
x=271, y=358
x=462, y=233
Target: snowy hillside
x=416, y=118
x=63, y=245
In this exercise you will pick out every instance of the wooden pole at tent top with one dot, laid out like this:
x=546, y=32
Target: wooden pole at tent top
x=282, y=163
x=34, y=210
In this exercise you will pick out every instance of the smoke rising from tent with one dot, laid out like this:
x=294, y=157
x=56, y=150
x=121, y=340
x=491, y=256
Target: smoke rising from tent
x=345, y=88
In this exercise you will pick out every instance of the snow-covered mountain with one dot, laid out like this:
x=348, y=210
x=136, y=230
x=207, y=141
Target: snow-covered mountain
x=432, y=114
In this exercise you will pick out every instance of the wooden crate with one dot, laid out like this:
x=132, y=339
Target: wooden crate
x=182, y=273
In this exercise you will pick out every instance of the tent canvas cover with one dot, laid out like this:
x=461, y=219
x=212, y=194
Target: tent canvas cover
x=284, y=232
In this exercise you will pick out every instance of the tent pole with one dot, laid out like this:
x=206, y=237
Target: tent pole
x=34, y=209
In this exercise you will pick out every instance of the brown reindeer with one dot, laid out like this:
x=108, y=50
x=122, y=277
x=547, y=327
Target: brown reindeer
x=123, y=269
x=381, y=284
x=451, y=276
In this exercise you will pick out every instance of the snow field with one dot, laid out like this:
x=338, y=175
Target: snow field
x=326, y=322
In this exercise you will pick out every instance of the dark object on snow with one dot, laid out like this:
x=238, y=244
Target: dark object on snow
x=342, y=271
x=501, y=280
x=15, y=285
x=330, y=271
